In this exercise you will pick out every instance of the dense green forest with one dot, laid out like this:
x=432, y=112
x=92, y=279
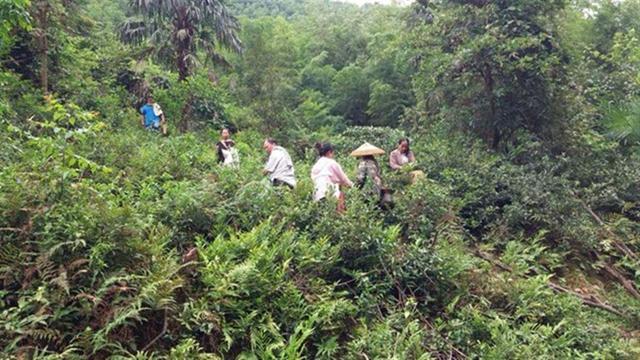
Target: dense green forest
x=522, y=240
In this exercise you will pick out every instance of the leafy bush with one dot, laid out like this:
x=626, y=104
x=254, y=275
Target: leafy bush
x=116, y=242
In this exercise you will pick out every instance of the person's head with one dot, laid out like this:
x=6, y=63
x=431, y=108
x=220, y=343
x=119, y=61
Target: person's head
x=368, y=157
x=149, y=99
x=325, y=149
x=225, y=134
x=269, y=144
x=403, y=145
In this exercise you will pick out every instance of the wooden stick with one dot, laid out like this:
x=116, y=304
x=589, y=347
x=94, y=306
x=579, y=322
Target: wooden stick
x=424, y=320
x=164, y=330
x=12, y=229
x=620, y=245
x=626, y=283
x=590, y=300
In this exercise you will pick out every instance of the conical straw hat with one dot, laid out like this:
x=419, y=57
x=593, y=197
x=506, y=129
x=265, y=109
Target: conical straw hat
x=367, y=149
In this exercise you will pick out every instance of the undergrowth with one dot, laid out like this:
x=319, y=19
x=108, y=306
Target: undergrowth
x=95, y=222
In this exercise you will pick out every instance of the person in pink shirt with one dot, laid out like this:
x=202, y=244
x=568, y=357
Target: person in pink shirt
x=328, y=176
x=402, y=155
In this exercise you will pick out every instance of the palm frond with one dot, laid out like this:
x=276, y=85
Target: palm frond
x=623, y=122
x=178, y=29
x=133, y=30
x=226, y=28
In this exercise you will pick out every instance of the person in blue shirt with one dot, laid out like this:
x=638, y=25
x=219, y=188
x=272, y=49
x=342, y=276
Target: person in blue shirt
x=152, y=116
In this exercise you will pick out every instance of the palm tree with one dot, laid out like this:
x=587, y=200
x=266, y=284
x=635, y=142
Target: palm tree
x=178, y=29
x=623, y=122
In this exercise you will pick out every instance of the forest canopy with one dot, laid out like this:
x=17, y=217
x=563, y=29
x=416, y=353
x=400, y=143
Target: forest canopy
x=515, y=233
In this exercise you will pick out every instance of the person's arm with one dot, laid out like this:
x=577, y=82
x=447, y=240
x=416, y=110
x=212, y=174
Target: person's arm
x=393, y=161
x=270, y=166
x=412, y=158
x=142, y=116
x=336, y=169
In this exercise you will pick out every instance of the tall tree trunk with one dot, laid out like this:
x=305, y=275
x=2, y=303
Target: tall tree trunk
x=42, y=22
x=187, y=110
x=182, y=38
x=488, y=88
x=183, y=73
x=181, y=63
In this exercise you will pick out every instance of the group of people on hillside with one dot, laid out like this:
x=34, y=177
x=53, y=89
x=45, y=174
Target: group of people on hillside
x=327, y=175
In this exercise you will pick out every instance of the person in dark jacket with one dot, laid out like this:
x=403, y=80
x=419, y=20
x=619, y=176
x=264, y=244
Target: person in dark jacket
x=227, y=154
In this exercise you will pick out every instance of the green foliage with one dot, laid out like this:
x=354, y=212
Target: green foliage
x=397, y=337
x=207, y=102
x=350, y=88
x=300, y=72
x=28, y=104
x=612, y=17
x=317, y=74
x=116, y=242
x=256, y=9
x=316, y=113
x=13, y=14
x=494, y=67
x=281, y=273
x=384, y=101
x=623, y=123
x=277, y=275
x=194, y=26
x=267, y=71
x=615, y=78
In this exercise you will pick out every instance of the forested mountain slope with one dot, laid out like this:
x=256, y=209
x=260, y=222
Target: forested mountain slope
x=521, y=240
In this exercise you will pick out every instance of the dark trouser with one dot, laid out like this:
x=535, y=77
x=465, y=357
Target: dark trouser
x=278, y=183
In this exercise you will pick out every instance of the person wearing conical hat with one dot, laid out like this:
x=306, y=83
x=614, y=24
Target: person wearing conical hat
x=368, y=173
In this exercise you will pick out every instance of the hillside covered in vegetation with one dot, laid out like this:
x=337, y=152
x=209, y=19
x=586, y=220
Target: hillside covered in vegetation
x=521, y=240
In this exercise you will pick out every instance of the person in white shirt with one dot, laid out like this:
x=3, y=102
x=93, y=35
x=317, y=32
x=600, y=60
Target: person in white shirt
x=328, y=177
x=279, y=167
x=227, y=153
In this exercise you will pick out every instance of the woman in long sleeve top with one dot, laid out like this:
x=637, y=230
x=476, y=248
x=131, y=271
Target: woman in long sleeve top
x=327, y=175
x=401, y=156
